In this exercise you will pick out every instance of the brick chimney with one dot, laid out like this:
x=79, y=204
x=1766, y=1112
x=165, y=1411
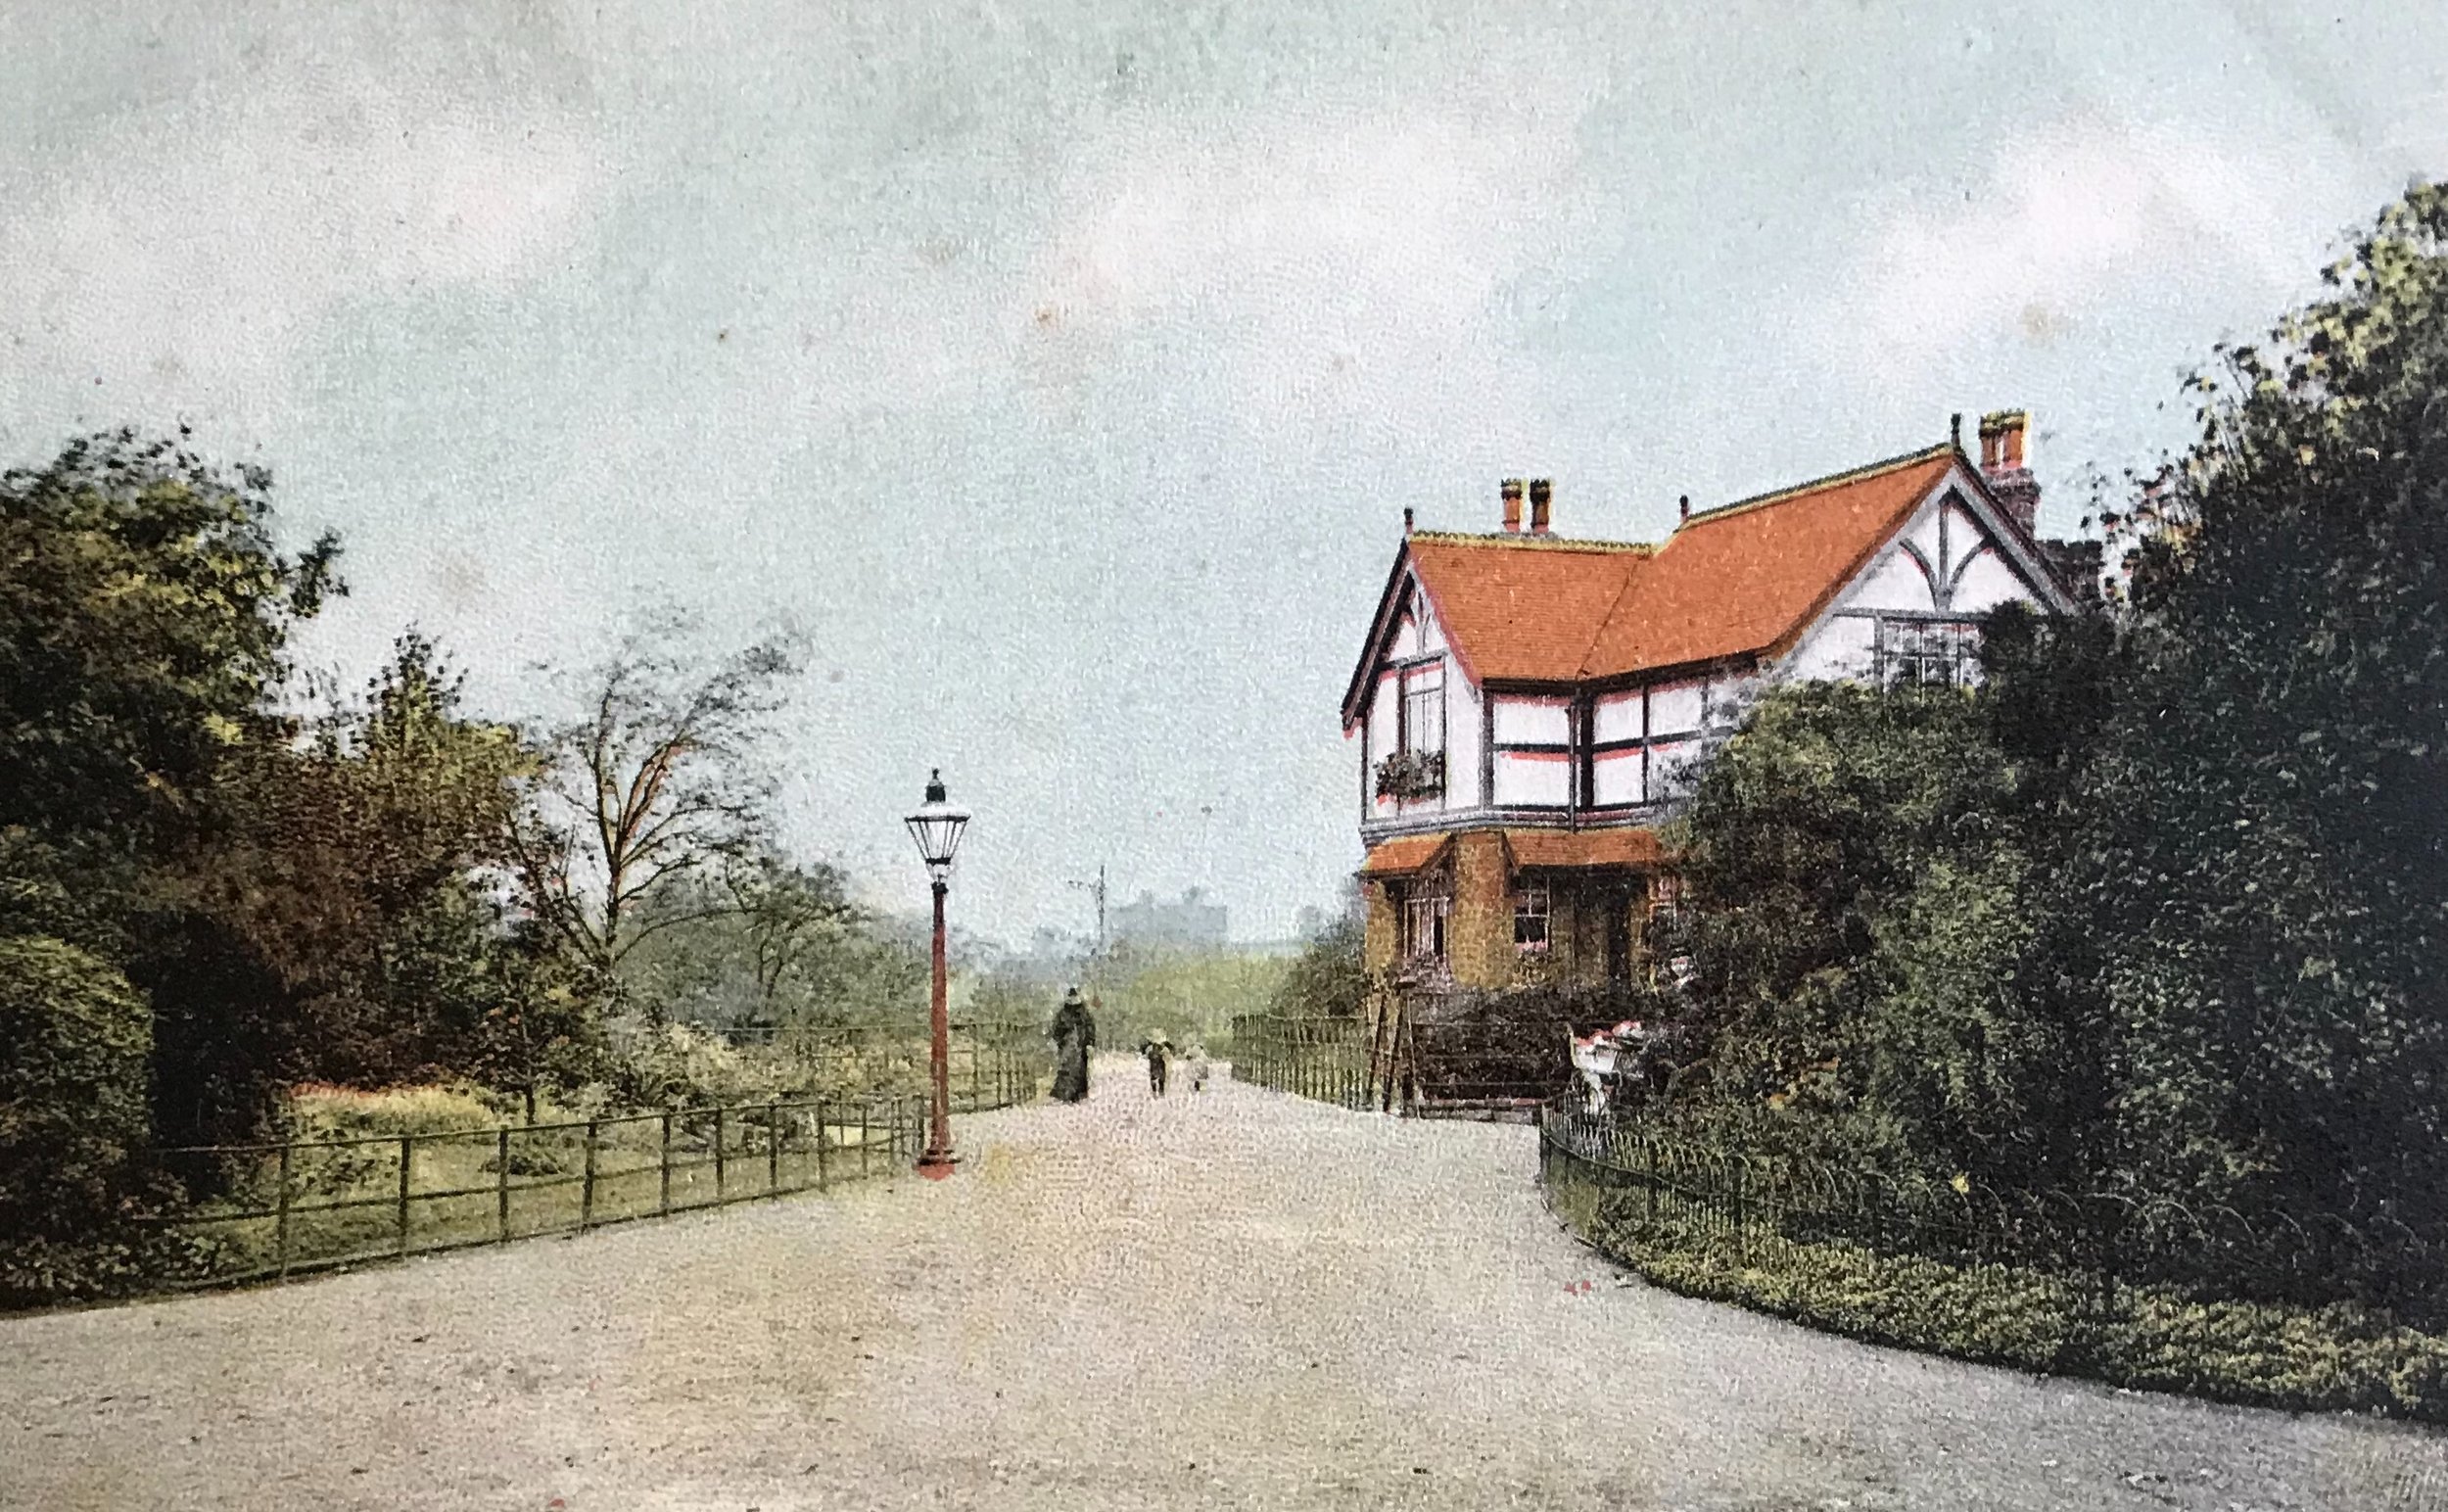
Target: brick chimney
x=1511, y=493
x=1542, y=491
x=2003, y=434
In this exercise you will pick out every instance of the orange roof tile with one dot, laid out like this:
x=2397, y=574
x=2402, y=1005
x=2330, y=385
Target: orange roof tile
x=1404, y=853
x=1744, y=578
x=1615, y=847
x=1522, y=607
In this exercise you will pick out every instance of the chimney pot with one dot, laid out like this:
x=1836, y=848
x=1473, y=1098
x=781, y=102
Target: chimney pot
x=1406, y=522
x=1684, y=503
x=1511, y=493
x=1541, y=492
x=2002, y=464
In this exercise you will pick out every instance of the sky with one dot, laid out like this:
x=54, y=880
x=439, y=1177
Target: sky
x=1061, y=368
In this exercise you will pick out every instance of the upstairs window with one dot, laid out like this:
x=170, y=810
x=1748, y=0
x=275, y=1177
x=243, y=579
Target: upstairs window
x=1423, y=728
x=1940, y=653
x=1531, y=917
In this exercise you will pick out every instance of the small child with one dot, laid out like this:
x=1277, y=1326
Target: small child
x=1197, y=1067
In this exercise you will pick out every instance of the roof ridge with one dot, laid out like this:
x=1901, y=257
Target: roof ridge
x=1792, y=490
x=1457, y=538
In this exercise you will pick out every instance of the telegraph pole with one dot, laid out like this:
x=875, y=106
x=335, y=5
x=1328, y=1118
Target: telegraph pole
x=1096, y=891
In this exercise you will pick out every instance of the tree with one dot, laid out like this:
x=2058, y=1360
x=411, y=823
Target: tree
x=360, y=865
x=144, y=614
x=2263, y=860
x=651, y=793
x=789, y=913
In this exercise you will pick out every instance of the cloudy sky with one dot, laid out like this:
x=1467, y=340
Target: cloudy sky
x=1063, y=367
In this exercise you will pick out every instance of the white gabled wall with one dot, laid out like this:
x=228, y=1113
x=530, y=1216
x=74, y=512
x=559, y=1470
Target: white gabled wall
x=1945, y=561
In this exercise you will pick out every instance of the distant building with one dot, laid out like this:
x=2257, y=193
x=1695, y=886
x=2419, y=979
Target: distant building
x=1190, y=923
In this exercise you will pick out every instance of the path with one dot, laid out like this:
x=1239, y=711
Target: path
x=1234, y=1301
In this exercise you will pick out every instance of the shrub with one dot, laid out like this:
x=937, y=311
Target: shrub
x=74, y=1044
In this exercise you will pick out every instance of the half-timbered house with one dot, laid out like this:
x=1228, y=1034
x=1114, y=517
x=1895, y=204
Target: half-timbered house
x=1529, y=707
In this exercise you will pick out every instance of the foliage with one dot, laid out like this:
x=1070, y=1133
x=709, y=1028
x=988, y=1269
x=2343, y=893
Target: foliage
x=2262, y=874
x=1190, y=995
x=358, y=867
x=642, y=802
x=74, y=1043
x=1329, y=978
x=142, y=619
x=143, y=616
x=2340, y=1357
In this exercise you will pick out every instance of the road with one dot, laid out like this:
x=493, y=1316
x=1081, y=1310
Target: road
x=1235, y=1300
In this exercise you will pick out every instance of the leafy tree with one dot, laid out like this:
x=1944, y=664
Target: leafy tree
x=143, y=614
x=645, y=800
x=359, y=866
x=2264, y=855
x=144, y=610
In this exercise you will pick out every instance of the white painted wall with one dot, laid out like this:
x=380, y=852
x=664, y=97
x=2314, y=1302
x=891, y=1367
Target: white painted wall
x=1894, y=581
x=1532, y=721
x=1616, y=778
x=1987, y=583
x=1533, y=780
x=1616, y=717
x=1674, y=707
x=1841, y=647
x=1669, y=776
x=1462, y=726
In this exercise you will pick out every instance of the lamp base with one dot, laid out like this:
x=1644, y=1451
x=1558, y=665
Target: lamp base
x=936, y=1164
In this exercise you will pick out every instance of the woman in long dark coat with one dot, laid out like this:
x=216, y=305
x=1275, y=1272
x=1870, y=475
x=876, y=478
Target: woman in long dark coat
x=1074, y=1034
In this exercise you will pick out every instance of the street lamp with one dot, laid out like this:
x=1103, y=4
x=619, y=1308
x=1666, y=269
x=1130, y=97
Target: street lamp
x=937, y=828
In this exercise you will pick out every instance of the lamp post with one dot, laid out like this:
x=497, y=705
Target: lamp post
x=937, y=828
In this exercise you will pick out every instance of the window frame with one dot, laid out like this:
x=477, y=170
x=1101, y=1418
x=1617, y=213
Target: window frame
x=1534, y=903
x=1420, y=691
x=1926, y=652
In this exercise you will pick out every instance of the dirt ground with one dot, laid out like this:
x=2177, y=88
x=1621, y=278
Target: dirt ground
x=1234, y=1300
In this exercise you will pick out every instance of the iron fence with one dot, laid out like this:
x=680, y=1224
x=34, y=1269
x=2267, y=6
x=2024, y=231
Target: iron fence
x=290, y=1208
x=1630, y=1188
x=1395, y=1059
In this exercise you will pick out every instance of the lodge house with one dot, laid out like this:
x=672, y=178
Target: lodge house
x=1529, y=707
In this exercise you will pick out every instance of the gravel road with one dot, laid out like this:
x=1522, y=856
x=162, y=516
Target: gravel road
x=1235, y=1300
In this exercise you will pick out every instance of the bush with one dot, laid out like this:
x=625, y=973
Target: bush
x=74, y=1044
x=2337, y=1358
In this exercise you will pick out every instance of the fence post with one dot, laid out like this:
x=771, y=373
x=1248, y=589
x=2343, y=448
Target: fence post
x=280, y=1223
x=407, y=1156
x=974, y=1098
x=718, y=1153
x=586, y=1191
x=863, y=1137
x=773, y=1148
x=502, y=1181
x=663, y=1198
x=820, y=1147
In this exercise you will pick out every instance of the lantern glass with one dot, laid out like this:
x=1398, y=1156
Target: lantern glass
x=938, y=826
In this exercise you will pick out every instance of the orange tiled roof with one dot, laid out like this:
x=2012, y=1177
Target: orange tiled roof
x=1405, y=853
x=1729, y=582
x=1751, y=576
x=1522, y=607
x=1615, y=847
